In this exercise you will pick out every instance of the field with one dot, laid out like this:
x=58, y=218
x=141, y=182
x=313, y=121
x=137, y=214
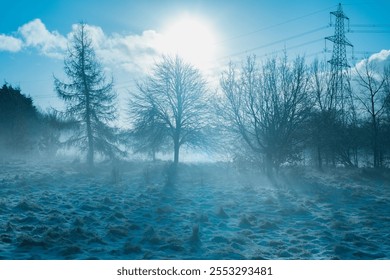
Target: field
x=211, y=211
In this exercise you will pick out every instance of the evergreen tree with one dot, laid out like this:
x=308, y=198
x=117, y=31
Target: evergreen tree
x=90, y=99
x=19, y=121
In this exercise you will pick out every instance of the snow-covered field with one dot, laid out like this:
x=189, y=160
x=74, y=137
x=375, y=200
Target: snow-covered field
x=52, y=211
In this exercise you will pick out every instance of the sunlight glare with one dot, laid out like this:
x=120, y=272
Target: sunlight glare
x=193, y=39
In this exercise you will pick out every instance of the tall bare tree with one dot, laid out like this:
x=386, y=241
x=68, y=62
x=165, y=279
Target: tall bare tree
x=333, y=122
x=324, y=114
x=90, y=99
x=267, y=107
x=386, y=133
x=172, y=104
x=372, y=97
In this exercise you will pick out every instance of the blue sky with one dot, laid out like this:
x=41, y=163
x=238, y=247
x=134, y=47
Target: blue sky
x=128, y=35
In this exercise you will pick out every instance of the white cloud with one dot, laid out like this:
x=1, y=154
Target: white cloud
x=380, y=60
x=35, y=34
x=381, y=56
x=10, y=44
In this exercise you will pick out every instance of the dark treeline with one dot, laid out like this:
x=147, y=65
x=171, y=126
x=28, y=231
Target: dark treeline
x=24, y=130
x=266, y=113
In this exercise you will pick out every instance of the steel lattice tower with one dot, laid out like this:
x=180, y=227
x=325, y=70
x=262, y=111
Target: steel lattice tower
x=339, y=63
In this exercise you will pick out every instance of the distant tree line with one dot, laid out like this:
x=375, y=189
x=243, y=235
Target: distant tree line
x=291, y=113
x=268, y=114
x=23, y=128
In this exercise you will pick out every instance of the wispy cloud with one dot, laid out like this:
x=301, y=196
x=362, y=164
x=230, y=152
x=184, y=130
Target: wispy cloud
x=10, y=44
x=132, y=53
x=49, y=43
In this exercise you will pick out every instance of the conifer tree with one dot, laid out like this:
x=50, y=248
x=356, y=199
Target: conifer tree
x=89, y=98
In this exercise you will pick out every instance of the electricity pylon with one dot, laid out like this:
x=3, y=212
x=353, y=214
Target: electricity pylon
x=339, y=83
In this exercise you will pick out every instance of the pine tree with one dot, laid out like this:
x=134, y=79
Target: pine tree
x=90, y=99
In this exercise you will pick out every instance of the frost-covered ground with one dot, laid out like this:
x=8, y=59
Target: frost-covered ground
x=48, y=211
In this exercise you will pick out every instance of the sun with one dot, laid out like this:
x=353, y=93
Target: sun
x=193, y=39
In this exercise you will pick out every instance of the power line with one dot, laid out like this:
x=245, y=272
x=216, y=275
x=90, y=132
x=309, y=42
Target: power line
x=273, y=25
x=314, y=54
x=294, y=47
x=369, y=31
x=275, y=42
x=370, y=25
x=373, y=28
x=364, y=52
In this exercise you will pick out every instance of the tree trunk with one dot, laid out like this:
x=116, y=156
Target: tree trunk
x=176, y=148
x=269, y=164
x=376, y=153
x=375, y=142
x=90, y=155
x=319, y=157
x=356, y=156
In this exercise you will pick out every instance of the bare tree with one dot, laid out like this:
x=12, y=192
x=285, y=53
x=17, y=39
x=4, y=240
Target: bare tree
x=320, y=81
x=148, y=134
x=172, y=104
x=373, y=100
x=90, y=99
x=323, y=114
x=267, y=107
x=386, y=132
x=333, y=124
